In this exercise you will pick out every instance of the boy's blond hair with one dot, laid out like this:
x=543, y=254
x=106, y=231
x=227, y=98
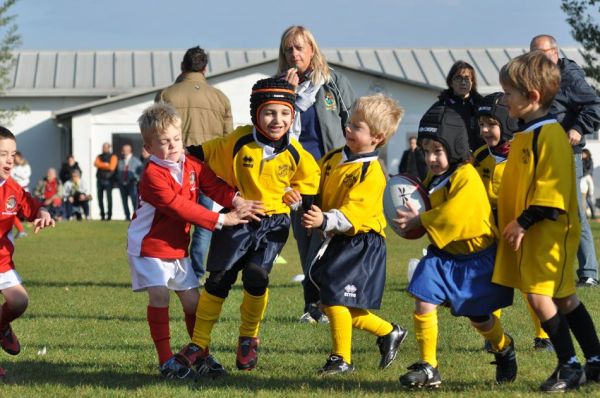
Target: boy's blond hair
x=156, y=119
x=532, y=71
x=382, y=114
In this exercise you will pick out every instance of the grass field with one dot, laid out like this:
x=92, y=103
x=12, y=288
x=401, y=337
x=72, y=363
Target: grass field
x=85, y=332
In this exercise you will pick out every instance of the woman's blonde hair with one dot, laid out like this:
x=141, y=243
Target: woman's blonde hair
x=318, y=63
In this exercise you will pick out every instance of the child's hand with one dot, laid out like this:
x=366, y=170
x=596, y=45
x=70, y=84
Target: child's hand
x=256, y=207
x=292, y=198
x=407, y=220
x=43, y=220
x=292, y=76
x=312, y=218
x=513, y=234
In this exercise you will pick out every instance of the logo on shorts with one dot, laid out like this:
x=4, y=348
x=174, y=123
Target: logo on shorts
x=330, y=103
x=350, y=291
x=11, y=203
x=192, y=179
x=525, y=155
x=283, y=170
x=248, y=162
x=350, y=180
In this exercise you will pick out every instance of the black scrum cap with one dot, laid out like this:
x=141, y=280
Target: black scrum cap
x=492, y=106
x=268, y=91
x=443, y=124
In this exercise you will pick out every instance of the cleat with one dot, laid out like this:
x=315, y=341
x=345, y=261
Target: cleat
x=307, y=318
x=564, y=378
x=9, y=341
x=421, y=375
x=193, y=356
x=506, y=363
x=173, y=369
x=247, y=353
x=335, y=365
x=543, y=344
x=389, y=344
x=592, y=371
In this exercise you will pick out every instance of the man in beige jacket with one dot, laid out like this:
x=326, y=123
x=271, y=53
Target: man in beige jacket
x=205, y=114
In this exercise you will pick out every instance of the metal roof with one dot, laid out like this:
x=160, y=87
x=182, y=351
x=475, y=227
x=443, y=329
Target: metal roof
x=107, y=73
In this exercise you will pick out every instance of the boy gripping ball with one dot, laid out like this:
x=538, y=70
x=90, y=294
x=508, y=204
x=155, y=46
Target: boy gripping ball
x=459, y=263
x=159, y=234
x=537, y=214
x=350, y=274
x=14, y=202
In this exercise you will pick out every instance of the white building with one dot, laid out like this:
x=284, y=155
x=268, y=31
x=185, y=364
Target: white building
x=79, y=100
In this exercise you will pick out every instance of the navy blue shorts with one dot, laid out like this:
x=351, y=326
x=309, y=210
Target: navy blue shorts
x=352, y=271
x=462, y=282
x=256, y=242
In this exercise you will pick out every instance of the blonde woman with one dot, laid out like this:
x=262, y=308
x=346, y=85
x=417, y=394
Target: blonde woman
x=324, y=97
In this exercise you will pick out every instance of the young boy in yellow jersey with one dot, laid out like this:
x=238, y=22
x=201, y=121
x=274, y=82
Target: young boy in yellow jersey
x=537, y=217
x=262, y=162
x=457, y=269
x=350, y=272
x=497, y=129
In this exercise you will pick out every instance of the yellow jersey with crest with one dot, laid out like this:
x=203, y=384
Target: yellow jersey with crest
x=257, y=172
x=490, y=170
x=540, y=171
x=356, y=189
x=460, y=220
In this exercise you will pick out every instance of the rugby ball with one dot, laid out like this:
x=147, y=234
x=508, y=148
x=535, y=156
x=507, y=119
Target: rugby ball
x=399, y=190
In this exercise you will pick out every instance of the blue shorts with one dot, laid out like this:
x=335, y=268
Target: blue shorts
x=462, y=282
x=258, y=243
x=352, y=271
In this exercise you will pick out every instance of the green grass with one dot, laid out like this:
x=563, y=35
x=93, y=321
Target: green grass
x=97, y=341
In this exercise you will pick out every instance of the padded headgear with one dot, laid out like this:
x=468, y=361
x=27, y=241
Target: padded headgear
x=270, y=91
x=444, y=125
x=492, y=106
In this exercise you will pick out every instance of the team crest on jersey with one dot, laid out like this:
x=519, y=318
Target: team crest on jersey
x=11, y=203
x=486, y=173
x=327, y=170
x=349, y=180
x=330, y=103
x=192, y=179
x=283, y=170
x=525, y=155
x=248, y=162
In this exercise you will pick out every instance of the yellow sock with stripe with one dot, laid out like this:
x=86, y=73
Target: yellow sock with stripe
x=340, y=325
x=207, y=313
x=252, y=311
x=426, y=332
x=367, y=321
x=495, y=335
x=537, y=325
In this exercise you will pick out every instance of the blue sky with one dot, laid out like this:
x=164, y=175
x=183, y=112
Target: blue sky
x=170, y=24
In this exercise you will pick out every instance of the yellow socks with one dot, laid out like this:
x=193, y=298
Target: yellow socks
x=365, y=320
x=426, y=332
x=207, y=313
x=252, y=311
x=495, y=335
x=340, y=324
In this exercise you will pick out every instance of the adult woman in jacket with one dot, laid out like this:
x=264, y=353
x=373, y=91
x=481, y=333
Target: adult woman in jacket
x=324, y=97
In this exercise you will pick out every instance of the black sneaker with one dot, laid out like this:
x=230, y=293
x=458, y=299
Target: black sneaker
x=592, y=371
x=506, y=363
x=335, y=365
x=564, y=378
x=173, y=369
x=201, y=361
x=421, y=375
x=388, y=345
x=543, y=344
x=587, y=282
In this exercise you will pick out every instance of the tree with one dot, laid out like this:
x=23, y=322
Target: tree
x=9, y=41
x=586, y=31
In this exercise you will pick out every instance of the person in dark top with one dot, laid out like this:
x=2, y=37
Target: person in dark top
x=413, y=160
x=66, y=170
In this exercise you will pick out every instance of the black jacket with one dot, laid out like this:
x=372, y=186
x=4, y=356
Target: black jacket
x=467, y=109
x=576, y=105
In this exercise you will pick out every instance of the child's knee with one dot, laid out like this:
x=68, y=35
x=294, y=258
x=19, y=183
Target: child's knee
x=16, y=298
x=567, y=304
x=256, y=279
x=422, y=307
x=158, y=296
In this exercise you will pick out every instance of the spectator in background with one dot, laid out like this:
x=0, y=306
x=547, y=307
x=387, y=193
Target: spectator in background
x=413, y=160
x=21, y=173
x=49, y=191
x=76, y=197
x=462, y=96
x=106, y=163
x=129, y=170
x=205, y=114
x=67, y=168
x=587, y=182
